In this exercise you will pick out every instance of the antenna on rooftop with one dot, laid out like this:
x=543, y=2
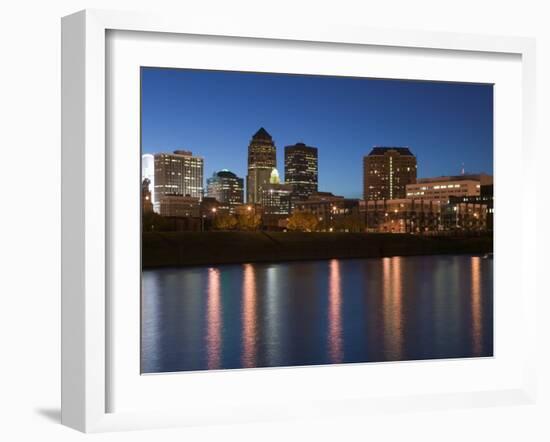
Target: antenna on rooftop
x=462, y=171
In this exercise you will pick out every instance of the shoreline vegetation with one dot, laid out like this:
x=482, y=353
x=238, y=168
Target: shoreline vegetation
x=183, y=249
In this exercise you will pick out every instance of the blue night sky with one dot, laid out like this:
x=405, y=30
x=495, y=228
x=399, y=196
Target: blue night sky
x=214, y=114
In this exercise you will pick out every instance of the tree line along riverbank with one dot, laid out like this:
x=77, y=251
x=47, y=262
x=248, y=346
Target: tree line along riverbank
x=175, y=249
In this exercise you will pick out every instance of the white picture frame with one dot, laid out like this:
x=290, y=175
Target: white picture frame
x=86, y=317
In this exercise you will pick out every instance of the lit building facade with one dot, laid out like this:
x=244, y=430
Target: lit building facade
x=179, y=206
x=328, y=208
x=178, y=173
x=275, y=197
x=301, y=170
x=226, y=188
x=446, y=187
x=485, y=197
x=249, y=209
x=387, y=171
x=262, y=158
x=210, y=207
x=409, y=215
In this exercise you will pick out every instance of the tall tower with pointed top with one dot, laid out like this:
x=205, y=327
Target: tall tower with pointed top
x=262, y=158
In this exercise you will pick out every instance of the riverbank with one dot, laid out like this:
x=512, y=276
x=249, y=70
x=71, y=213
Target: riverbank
x=176, y=249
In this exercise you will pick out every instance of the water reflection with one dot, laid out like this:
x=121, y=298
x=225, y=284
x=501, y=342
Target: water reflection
x=273, y=315
x=392, y=299
x=335, y=313
x=249, y=317
x=317, y=312
x=214, y=320
x=476, y=305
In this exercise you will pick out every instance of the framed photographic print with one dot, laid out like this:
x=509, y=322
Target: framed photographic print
x=268, y=223
x=350, y=257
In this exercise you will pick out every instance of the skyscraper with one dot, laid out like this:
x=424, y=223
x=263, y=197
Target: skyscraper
x=178, y=173
x=226, y=188
x=262, y=158
x=387, y=171
x=301, y=170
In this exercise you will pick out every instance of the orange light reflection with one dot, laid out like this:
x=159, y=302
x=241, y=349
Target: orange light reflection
x=249, y=317
x=476, y=305
x=335, y=314
x=392, y=293
x=214, y=320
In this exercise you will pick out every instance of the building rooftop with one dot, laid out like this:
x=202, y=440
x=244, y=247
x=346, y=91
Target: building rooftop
x=381, y=150
x=224, y=173
x=322, y=196
x=300, y=145
x=262, y=134
x=187, y=153
x=487, y=179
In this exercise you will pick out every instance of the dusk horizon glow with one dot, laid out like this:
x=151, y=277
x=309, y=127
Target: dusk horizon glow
x=214, y=114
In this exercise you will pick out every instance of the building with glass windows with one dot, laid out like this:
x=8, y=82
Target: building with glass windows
x=179, y=206
x=262, y=158
x=301, y=170
x=226, y=188
x=485, y=197
x=179, y=173
x=409, y=215
x=387, y=171
x=445, y=187
x=330, y=209
x=275, y=197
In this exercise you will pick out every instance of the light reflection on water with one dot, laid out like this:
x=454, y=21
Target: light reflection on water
x=335, y=313
x=316, y=312
x=214, y=320
x=249, y=317
x=477, y=327
x=392, y=308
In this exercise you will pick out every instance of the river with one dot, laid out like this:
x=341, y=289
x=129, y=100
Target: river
x=316, y=312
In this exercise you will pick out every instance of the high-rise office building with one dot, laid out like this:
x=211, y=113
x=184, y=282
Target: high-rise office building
x=178, y=173
x=226, y=188
x=275, y=197
x=301, y=170
x=262, y=158
x=387, y=171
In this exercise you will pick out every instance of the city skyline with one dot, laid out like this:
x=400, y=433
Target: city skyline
x=169, y=94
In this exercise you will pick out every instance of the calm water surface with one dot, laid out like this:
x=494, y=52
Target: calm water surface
x=316, y=312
